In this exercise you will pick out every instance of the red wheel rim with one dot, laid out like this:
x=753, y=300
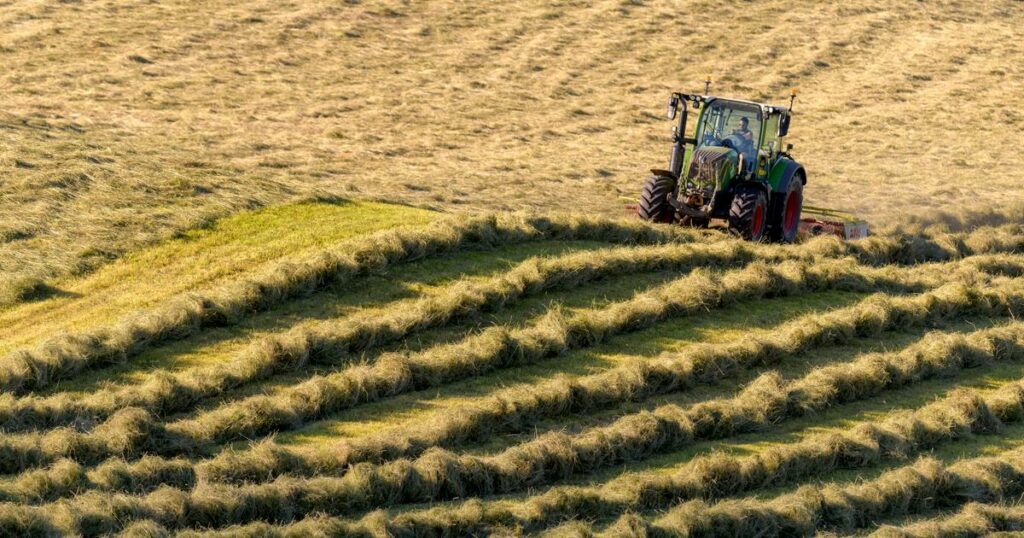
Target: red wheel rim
x=792, y=212
x=758, y=221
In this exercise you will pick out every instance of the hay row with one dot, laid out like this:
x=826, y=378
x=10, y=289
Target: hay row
x=925, y=485
x=66, y=355
x=974, y=520
x=556, y=334
x=67, y=477
x=167, y=393
x=494, y=348
x=333, y=341
x=439, y=474
x=518, y=408
x=901, y=248
x=901, y=435
x=34, y=450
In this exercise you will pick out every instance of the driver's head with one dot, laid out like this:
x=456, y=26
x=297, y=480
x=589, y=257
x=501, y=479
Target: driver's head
x=743, y=123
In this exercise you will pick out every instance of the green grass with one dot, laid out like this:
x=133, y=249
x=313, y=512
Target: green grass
x=411, y=280
x=229, y=249
x=239, y=246
x=716, y=326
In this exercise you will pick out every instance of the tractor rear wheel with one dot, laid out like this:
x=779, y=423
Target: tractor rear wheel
x=786, y=208
x=654, y=205
x=748, y=216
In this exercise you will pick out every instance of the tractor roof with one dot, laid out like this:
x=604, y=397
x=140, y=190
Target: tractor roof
x=710, y=98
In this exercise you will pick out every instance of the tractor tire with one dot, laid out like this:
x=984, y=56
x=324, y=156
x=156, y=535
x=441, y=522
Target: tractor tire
x=785, y=214
x=748, y=216
x=654, y=205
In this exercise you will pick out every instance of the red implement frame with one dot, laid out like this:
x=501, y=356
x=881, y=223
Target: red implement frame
x=817, y=221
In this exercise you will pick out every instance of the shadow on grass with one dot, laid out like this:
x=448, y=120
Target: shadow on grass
x=730, y=322
x=400, y=282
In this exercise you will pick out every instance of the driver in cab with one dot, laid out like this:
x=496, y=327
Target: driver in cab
x=743, y=131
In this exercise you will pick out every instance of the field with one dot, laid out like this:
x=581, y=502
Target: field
x=386, y=371
x=361, y=268
x=125, y=122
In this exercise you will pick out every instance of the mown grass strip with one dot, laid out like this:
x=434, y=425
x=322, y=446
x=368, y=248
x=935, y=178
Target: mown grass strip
x=330, y=342
x=502, y=347
x=517, y=408
x=974, y=520
x=67, y=477
x=66, y=355
x=900, y=435
x=337, y=340
x=925, y=485
x=439, y=474
x=901, y=248
x=139, y=431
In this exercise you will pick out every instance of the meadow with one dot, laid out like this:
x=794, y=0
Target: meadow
x=519, y=374
x=361, y=268
x=124, y=123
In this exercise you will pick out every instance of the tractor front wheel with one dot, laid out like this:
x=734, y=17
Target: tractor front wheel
x=654, y=205
x=748, y=216
x=786, y=208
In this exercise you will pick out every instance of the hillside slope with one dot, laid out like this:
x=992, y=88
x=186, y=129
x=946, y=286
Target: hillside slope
x=504, y=374
x=122, y=122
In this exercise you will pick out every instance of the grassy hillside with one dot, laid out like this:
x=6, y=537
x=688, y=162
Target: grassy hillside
x=123, y=122
x=358, y=269
x=382, y=371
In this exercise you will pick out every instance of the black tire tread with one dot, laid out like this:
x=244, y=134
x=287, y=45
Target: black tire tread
x=654, y=205
x=741, y=212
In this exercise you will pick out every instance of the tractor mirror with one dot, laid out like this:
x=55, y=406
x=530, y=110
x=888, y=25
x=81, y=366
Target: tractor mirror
x=672, y=104
x=783, y=125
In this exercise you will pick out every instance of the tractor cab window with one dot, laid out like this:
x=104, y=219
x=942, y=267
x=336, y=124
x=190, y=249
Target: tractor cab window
x=731, y=125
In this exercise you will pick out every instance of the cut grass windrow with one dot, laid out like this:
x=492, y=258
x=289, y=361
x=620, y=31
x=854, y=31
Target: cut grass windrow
x=139, y=431
x=331, y=342
x=518, y=408
x=67, y=477
x=556, y=334
x=974, y=520
x=900, y=435
x=66, y=355
x=439, y=474
x=926, y=485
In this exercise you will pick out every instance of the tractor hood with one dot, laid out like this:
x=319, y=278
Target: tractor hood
x=712, y=165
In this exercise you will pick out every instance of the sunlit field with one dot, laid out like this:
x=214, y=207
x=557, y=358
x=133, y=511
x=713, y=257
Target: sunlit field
x=364, y=269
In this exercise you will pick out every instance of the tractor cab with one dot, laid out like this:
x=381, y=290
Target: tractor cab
x=729, y=165
x=733, y=125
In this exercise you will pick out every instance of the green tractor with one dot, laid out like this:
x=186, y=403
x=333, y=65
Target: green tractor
x=734, y=168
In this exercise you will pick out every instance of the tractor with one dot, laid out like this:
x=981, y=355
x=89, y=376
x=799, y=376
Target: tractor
x=735, y=167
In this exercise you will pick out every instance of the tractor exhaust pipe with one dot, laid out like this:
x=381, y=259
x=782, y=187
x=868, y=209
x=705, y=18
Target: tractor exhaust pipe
x=675, y=162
